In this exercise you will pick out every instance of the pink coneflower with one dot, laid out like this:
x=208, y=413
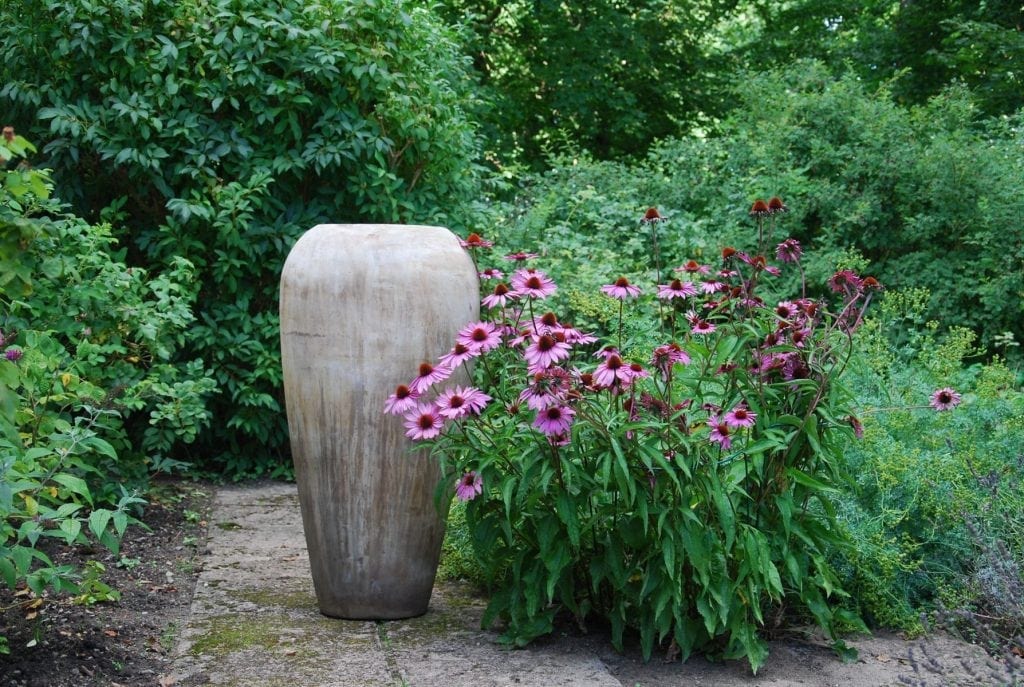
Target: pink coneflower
x=611, y=370
x=474, y=240
x=574, y=336
x=491, y=273
x=459, y=354
x=799, y=337
x=544, y=351
x=637, y=371
x=621, y=289
x=554, y=420
x=720, y=432
x=533, y=283
x=500, y=297
x=469, y=486
x=479, y=336
x=457, y=403
x=546, y=388
x=712, y=286
x=423, y=422
x=676, y=289
x=945, y=399
x=789, y=251
x=693, y=267
x=520, y=256
x=402, y=401
x=664, y=357
x=702, y=327
x=428, y=376
x=844, y=281
x=786, y=310
x=740, y=416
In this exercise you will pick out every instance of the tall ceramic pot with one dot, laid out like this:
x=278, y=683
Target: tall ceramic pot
x=361, y=307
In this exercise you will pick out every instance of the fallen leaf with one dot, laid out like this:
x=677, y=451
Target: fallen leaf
x=1017, y=650
x=884, y=658
x=35, y=604
x=31, y=615
x=290, y=652
x=110, y=633
x=166, y=680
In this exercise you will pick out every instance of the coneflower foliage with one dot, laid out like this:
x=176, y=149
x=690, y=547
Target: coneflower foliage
x=679, y=487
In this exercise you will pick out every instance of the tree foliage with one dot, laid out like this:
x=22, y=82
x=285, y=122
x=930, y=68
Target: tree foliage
x=221, y=130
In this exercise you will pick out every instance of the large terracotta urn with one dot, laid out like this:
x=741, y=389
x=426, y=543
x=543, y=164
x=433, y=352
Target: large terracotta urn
x=361, y=307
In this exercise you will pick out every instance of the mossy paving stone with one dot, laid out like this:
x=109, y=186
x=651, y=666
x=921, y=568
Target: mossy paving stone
x=254, y=621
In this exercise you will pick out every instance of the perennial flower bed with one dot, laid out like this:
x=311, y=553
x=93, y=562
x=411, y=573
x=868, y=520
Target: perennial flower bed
x=676, y=479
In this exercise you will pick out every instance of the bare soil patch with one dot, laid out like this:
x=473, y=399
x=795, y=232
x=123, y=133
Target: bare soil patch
x=56, y=641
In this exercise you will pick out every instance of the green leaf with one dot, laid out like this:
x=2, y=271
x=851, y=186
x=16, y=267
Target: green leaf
x=76, y=485
x=98, y=521
x=806, y=480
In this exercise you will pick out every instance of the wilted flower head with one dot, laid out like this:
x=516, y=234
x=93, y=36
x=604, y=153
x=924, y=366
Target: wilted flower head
x=9, y=133
x=474, y=240
x=775, y=205
x=759, y=208
x=520, y=256
x=652, y=216
x=945, y=399
x=789, y=251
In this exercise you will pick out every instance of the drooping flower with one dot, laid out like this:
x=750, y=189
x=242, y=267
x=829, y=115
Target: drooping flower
x=533, y=283
x=474, y=240
x=480, y=336
x=945, y=399
x=740, y=416
x=621, y=289
x=858, y=428
x=652, y=216
x=491, y=273
x=457, y=403
x=500, y=297
x=554, y=420
x=693, y=267
x=546, y=388
x=423, y=422
x=759, y=208
x=469, y=486
x=844, y=281
x=720, y=432
x=402, y=401
x=775, y=205
x=702, y=327
x=789, y=251
x=428, y=376
x=520, y=256
x=612, y=370
x=667, y=355
x=574, y=336
x=676, y=289
x=544, y=351
x=459, y=354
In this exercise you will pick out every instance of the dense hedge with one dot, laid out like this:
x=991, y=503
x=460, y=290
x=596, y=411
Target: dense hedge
x=224, y=129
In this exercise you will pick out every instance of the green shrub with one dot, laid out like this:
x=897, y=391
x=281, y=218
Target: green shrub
x=89, y=402
x=223, y=130
x=936, y=493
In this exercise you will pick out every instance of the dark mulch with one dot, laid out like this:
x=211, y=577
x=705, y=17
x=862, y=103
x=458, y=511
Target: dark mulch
x=56, y=642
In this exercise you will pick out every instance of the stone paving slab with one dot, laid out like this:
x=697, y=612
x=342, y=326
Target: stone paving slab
x=254, y=622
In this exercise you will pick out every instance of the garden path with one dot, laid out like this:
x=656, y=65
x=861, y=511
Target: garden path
x=254, y=621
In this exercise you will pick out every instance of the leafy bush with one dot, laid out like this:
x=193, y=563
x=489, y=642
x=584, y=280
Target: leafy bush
x=222, y=130
x=88, y=400
x=937, y=505
x=680, y=489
